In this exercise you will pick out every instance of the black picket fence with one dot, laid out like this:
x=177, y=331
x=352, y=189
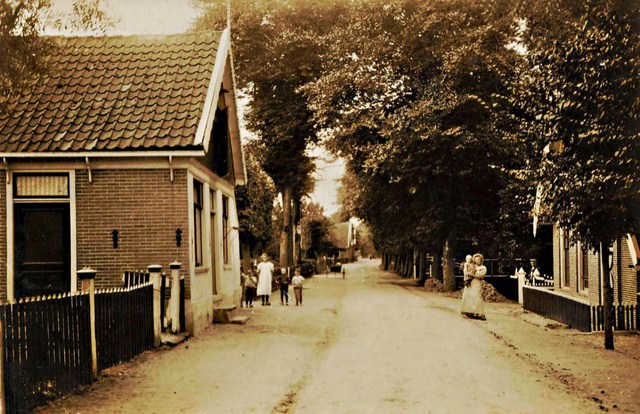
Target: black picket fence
x=124, y=324
x=46, y=349
x=577, y=314
x=47, y=341
x=558, y=307
x=625, y=318
x=135, y=278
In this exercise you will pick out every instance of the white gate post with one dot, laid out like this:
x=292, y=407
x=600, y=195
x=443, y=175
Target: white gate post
x=88, y=278
x=521, y=274
x=175, y=296
x=154, y=275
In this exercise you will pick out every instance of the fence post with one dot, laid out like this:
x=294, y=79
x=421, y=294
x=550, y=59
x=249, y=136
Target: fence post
x=521, y=274
x=154, y=272
x=2, y=402
x=88, y=277
x=175, y=296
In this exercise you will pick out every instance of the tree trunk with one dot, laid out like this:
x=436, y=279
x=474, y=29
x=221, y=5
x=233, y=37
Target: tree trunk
x=437, y=268
x=246, y=256
x=295, y=212
x=608, y=295
x=286, y=231
x=422, y=271
x=449, y=278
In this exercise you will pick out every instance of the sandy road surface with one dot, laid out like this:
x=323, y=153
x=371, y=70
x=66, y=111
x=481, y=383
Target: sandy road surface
x=354, y=347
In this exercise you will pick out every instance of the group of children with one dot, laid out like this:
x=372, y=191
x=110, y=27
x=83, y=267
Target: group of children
x=259, y=283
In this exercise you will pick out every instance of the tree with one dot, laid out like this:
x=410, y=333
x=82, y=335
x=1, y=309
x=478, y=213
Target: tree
x=577, y=103
x=24, y=50
x=315, y=231
x=276, y=52
x=255, y=208
x=405, y=98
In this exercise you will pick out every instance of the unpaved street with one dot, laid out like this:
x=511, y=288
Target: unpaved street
x=358, y=345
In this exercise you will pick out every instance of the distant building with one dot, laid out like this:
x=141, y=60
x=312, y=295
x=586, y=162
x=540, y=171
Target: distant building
x=344, y=238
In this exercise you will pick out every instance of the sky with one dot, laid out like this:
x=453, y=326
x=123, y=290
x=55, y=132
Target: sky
x=176, y=16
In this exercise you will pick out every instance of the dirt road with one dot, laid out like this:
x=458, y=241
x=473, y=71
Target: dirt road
x=358, y=345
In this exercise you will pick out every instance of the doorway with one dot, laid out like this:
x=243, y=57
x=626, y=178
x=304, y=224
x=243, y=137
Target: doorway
x=42, y=252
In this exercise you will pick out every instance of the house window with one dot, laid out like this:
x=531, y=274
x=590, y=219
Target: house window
x=41, y=186
x=197, y=221
x=212, y=238
x=225, y=229
x=585, y=269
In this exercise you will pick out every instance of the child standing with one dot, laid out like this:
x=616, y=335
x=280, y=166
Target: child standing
x=284, y=286
x=468, y=269
x=298, y=281
x=250, y=284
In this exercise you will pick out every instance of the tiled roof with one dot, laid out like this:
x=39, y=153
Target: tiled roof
x=115, y=93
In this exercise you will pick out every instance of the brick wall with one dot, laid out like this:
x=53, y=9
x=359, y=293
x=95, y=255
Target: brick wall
x=3, y=237
x=628, y=275
x=145, y=207
x=594, y=278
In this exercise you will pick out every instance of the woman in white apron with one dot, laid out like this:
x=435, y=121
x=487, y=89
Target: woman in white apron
x=265, y=276
x=472, y=305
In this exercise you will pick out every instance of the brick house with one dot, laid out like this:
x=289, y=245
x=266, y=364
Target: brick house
x=577, y=270
x=125, y=154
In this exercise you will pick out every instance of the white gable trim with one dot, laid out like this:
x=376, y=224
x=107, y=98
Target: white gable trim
x=214, y=88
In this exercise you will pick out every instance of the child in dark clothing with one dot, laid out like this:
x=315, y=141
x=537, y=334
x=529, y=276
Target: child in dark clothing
x=284, y=286
x=250, y=284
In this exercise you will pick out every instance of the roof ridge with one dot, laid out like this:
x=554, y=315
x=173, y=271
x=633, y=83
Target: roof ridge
x=134, y=35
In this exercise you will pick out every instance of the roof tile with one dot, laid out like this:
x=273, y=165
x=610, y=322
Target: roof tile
x=114, y=93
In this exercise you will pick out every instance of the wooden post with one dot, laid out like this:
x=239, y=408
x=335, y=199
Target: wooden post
x=521, y=275
x=175, y=296
x=88, y=278
x=2, y=400
x=154, y=274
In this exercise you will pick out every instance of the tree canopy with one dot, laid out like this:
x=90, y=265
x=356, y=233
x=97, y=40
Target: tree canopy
x=23, y=47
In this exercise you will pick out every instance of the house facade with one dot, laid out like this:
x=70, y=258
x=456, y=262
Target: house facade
x=126, y=154
x=578, y=273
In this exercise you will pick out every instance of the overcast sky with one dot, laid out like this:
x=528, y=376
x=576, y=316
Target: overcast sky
x=176, y=16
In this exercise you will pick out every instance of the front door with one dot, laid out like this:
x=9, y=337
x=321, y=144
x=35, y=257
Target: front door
x=42, y=249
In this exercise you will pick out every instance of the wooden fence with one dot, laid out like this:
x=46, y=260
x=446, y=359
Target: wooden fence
x=135, y=278
x=47, y=341
x=625, y=318
x=577, y=314
x=46, y=349
x=561, y=308
x=124, y=324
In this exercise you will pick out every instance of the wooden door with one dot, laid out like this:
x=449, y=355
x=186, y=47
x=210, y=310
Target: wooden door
x=42, y=249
